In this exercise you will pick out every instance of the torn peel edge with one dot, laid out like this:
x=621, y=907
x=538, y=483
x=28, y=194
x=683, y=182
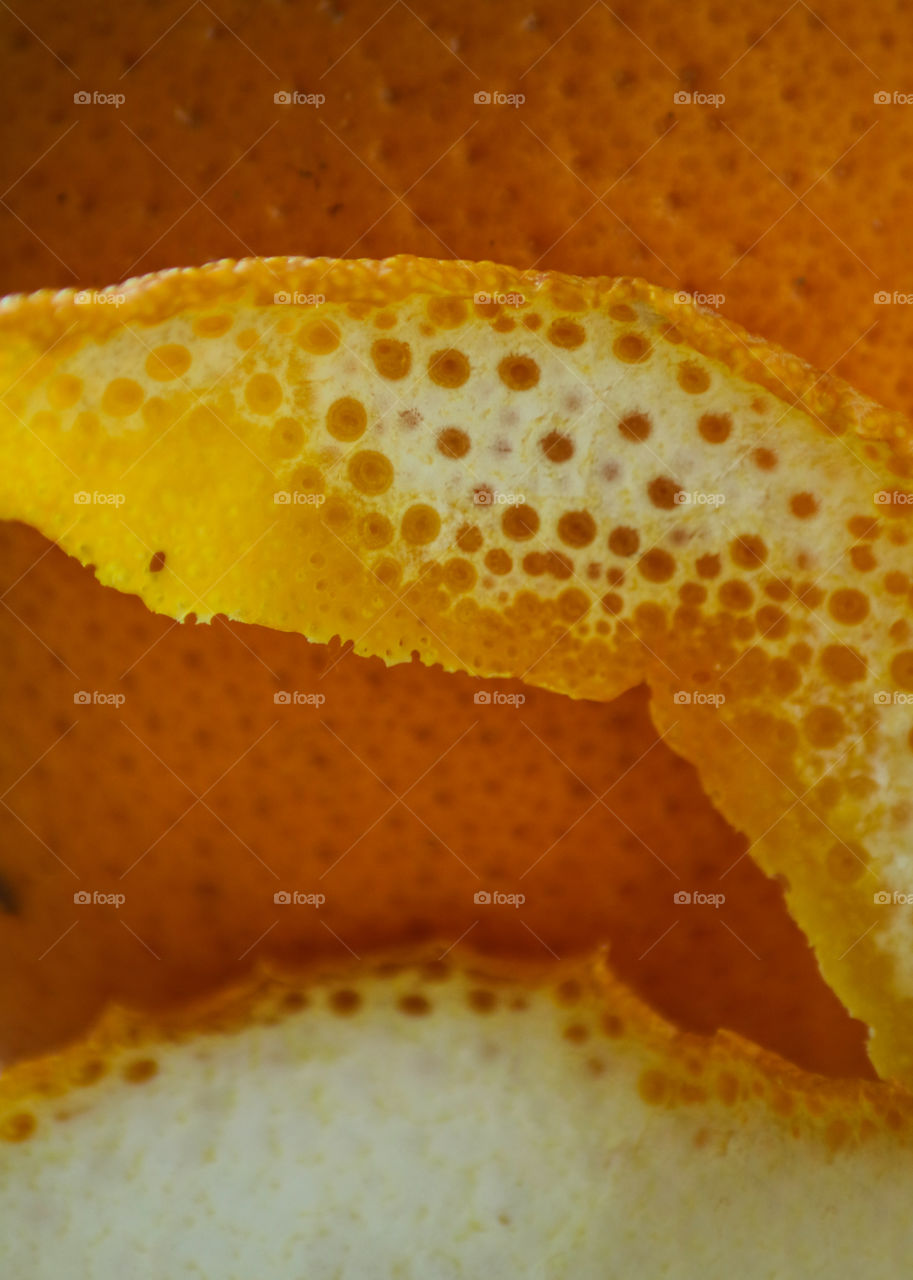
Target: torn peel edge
x=792, y=1012
x=598, y=1012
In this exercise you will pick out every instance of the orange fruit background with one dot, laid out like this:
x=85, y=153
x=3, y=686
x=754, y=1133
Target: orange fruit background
x=785, y=202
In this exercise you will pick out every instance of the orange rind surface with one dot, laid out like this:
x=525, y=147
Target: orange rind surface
x=581, y=484
x=196, y=797
x=786, y=201
x=782, y=202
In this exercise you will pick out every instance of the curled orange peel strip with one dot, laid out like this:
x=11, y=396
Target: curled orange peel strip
x=434, y=1118
x=583, y=483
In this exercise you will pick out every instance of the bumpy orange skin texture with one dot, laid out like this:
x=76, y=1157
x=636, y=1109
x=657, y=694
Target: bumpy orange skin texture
x=423, y=471
x=788, y=199
x=596, y=822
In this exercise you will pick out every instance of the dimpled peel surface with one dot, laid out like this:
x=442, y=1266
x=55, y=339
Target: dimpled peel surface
x=579, y=483
x=394, y=792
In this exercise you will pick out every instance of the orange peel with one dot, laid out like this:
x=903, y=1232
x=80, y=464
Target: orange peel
x=513, y=798
x=762, y=201
x=584, y=483
x=518, y=1122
